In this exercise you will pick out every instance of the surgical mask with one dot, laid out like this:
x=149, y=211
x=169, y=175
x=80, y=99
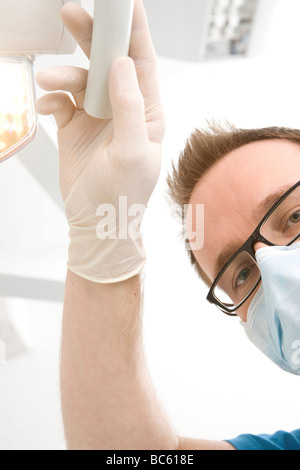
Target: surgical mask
x=273, y=320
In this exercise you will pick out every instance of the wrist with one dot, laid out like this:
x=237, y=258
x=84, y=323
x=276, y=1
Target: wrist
x=106, y=245
x=105, y=261
x=113, y=307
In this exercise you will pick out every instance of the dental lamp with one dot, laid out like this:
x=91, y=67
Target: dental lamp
x=27, y=28
x=111, y=40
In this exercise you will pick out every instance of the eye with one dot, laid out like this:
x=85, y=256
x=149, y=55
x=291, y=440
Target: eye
x=294, y=219
x=243, y=277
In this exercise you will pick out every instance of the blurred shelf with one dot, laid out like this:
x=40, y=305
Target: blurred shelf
x=193, y=22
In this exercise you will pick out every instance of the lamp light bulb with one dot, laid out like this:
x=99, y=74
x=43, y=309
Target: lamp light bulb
x=18, y=121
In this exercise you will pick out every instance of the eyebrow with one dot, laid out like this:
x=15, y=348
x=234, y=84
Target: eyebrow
x=258, y=214
x=266, y=205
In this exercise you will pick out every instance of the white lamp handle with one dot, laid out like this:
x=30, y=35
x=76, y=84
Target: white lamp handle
x=111, y=40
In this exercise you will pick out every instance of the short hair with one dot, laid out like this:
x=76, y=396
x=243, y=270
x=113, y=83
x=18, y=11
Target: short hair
x=204, y=148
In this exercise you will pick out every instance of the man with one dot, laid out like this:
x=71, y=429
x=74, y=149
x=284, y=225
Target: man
x=108, y=400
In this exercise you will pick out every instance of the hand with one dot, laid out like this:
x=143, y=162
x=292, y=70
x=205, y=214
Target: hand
x=101, y=160
x=89, y=145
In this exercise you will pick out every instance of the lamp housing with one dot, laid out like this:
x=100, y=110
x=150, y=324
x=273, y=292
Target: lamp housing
x=34, y=27
x=27, y=28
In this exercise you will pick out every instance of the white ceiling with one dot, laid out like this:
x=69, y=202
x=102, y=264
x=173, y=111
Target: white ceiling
x=249, y=92
x=176, y=31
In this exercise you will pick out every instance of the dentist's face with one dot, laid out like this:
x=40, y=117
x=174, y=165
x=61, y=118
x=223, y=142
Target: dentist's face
x=233, y=193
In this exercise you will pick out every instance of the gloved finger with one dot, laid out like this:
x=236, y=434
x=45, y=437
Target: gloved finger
x=127, y=104
x=143, y=53
x=58, y=104
x=80, y=24
x=70, y=79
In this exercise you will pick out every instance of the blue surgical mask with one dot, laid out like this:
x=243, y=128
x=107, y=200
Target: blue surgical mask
x=273, y=320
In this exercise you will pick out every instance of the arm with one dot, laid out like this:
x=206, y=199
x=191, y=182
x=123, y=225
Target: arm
x=108, y=399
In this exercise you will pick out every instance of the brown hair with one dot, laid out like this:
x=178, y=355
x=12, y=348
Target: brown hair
x=203, y=149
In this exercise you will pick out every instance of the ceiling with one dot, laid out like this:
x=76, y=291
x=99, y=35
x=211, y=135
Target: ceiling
x=179, y=27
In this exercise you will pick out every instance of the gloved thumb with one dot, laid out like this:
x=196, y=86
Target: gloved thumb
x=127, y=104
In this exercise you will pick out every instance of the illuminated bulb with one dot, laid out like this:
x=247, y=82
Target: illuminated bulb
x=18, y=122
x=234, y=20
x=220, y=21
x=238, y=3
x=223, y=4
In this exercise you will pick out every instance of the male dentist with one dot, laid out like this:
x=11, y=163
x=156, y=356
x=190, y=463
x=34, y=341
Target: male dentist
x=250, y=263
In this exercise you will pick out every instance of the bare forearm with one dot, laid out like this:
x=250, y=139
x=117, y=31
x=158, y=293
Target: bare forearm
x=108, y=400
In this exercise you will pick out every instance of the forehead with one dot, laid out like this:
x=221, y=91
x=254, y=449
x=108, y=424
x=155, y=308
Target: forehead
x=235, y=186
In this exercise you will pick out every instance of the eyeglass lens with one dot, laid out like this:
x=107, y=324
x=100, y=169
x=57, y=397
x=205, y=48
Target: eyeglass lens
x=242, y=275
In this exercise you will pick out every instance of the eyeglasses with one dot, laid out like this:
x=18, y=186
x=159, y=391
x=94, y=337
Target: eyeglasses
x=241, y=276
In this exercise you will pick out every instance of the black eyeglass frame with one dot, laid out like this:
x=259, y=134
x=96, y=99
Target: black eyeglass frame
x=248, y=247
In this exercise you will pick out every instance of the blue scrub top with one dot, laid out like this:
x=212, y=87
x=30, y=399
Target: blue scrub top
x=280, y=441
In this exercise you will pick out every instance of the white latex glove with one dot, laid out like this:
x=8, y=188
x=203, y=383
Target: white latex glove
x=101, y=161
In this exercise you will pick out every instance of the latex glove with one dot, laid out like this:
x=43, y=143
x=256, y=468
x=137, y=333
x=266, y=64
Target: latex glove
x=103, y=160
